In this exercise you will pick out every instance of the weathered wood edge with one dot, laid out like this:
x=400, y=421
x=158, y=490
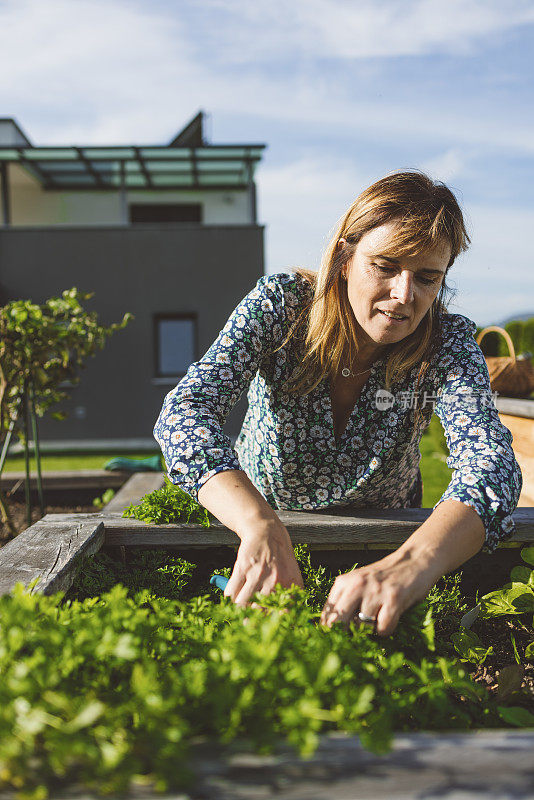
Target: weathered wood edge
x=515, y=406
x=370, y=529
x=53, y=548
x=135, y=488
x=420, y=764
x=68, y=479
x=51, y=551
x=479, y=764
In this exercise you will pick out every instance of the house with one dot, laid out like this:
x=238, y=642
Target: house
x=166, y=232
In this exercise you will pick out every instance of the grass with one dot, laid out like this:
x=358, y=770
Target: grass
x=435, y=472
x=70, y=461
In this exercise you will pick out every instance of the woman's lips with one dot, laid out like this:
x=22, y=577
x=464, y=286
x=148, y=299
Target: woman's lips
x=392, y=319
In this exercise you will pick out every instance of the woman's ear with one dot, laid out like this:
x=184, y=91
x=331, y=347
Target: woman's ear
x=343, y=243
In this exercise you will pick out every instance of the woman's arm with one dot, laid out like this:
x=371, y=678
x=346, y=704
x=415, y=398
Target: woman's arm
x=189, y=428
x=199, y=456
x=451, y=535
x=486, y=475
x=475, y=510
x=265, y=556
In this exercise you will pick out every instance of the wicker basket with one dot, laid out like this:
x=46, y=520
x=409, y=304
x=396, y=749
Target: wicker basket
x=509, y=376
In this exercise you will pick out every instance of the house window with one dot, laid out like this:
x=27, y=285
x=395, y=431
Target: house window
x=176, y=343
x=165, y=212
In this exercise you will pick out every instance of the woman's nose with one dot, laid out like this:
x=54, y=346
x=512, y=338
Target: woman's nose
x=403, y=287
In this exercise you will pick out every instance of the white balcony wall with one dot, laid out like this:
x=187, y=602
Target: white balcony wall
x=33, y=206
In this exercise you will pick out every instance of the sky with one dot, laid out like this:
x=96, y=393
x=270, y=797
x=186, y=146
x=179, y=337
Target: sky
x=342, y=92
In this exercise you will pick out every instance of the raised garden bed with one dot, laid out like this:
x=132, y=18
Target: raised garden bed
x=57, y=546
x=90, y=479
x=59, y=501
x=74, y=492
x=142, y=568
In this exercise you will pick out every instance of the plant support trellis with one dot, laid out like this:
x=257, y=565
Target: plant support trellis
x=26, y=401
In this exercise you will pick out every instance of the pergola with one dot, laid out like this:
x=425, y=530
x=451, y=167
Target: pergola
x=188, y=162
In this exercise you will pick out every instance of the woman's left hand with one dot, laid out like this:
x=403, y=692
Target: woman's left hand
x=383, y=590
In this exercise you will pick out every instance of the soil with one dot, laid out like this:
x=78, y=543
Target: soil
x=497, y=633
x=62, y=501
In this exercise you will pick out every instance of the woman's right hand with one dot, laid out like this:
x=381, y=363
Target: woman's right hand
x=265, y=558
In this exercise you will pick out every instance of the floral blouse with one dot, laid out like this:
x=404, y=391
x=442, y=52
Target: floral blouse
x=287, y=445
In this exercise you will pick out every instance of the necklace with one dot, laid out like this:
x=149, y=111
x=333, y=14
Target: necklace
x=346, y=372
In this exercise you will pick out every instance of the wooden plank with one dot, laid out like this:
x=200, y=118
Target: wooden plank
x=68, y=479
x=481, y=765
x=134, y=490
x=462, y=765
x=515, y=406
x=51, y=551
x=522, y=429
x=364, y=529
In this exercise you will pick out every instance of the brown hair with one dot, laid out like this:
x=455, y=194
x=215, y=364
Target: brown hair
x=428, y=214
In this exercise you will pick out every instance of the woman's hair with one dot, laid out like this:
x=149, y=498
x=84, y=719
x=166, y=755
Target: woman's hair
x=428, y=215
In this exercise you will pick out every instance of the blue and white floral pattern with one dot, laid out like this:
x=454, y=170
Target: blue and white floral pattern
x=287, y=445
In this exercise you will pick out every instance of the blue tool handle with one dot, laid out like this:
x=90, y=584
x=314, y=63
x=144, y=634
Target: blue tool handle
x=219, y=581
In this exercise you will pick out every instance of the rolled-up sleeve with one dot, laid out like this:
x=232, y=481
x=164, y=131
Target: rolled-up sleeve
x=189, y=426
x=486, y=475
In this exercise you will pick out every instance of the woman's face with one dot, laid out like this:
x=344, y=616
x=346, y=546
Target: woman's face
x=376, y=283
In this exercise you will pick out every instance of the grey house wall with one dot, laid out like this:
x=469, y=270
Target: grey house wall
x=145, y=270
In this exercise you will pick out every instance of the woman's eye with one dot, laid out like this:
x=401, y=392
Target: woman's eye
x=389, y=270
x=427, y=280
x=384, y=269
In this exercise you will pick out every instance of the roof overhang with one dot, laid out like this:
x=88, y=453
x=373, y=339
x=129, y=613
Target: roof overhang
x=138, y=167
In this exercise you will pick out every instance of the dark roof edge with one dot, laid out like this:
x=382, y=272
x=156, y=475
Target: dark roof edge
x=17, y=126
x=192, y=135
x=127, y=146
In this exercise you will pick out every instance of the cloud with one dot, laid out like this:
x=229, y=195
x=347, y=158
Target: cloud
x=326, y=73
x=302, y=202
x=109, y=72
x=337, y=29
x=495, y=277
x=499, y=238
x=94, y=71
x=447, y=165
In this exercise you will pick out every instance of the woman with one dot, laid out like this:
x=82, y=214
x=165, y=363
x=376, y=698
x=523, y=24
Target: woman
x=345, y=368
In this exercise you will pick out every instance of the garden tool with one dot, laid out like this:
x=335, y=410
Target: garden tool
x=219, y=581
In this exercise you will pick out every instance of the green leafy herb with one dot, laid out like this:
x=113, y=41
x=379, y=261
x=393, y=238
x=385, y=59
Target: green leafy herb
x=111, y=685
x=167, y=505
x=469, y=646
x=99, y=691
x=516, y=597
x=108, y=495
x=517, y=716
